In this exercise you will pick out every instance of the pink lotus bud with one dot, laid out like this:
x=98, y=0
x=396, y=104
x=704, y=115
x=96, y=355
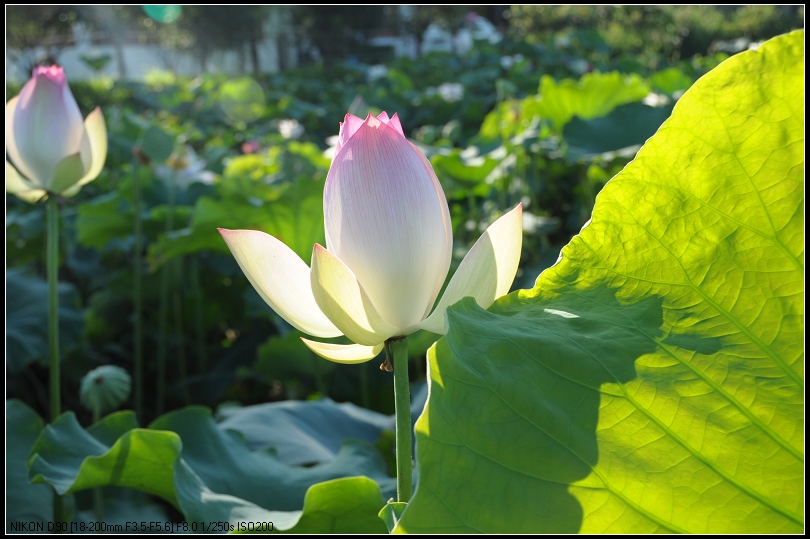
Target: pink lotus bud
x=52, y=149
x=387, y=218
x=389, y=242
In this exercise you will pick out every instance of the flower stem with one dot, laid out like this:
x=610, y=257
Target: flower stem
x=163, y=309
x=52, y=261
x=98, y=501
x=163, y=315
x=202, y=359
x=53, y=303
x=177, y=303
x=398, y=350
x=136, y=292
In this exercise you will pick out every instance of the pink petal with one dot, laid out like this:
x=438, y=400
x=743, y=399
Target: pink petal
x=394, y=122
x=48, y=126
x=391, y=122
x=387, y=219
x=348, y=127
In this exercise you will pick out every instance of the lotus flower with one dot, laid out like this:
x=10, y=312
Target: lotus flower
x=183, y=167
x=53, y=150
x=388, y=248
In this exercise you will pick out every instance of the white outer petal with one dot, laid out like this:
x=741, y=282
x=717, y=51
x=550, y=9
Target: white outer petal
x=344, y=353
x=344, y=301
x=488, y=270
x=448, y=226
x=96, y=130
x=11, y=146
x=17, y=185
x=387, y=219
x=281, y=278
x=67, y=173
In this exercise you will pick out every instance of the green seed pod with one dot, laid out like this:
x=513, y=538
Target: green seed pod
x=104, y=389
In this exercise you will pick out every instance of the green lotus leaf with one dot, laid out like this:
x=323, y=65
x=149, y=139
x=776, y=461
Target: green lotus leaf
x=27, y=315
x=293, y=218
x=227, y=466
x=311, y=432
x=24, y=502
x=104, y=219
x=653, y=379
x=628, y=125
x=670, y=80
x=594, y=95
x=206, y=472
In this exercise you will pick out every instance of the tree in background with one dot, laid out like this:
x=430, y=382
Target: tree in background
x=335, y=30
x=37, y=34
x=221, y=28
x=662, y=33
x=199, y=30
x=339, y=31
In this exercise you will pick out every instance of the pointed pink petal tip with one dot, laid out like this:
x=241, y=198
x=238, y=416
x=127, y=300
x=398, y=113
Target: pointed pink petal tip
x=394, y=122
x=53, y=71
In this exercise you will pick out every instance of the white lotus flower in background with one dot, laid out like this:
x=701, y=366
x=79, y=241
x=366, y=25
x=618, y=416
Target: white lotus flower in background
x=451, y=91
x=290, y=129
x=53, y=150
x=331, y=142
x=183, y=167
x=388, y=248
x=377, y=72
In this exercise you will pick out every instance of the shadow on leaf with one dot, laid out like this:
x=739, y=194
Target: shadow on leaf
x=514, y=406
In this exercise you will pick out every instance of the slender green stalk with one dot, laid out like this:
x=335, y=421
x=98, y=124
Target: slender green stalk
x=136, y=291
x=397, y=348
x=52, y=261
x=177, y=301
x=202, y=358
x=163, y=310
x=53, y=303
x=98, y=501
x=163, y=322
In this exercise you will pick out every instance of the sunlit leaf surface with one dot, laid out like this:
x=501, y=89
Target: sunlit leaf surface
x=653, y=379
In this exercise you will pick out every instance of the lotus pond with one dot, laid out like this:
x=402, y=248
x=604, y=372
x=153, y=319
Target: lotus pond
x=644, y=374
